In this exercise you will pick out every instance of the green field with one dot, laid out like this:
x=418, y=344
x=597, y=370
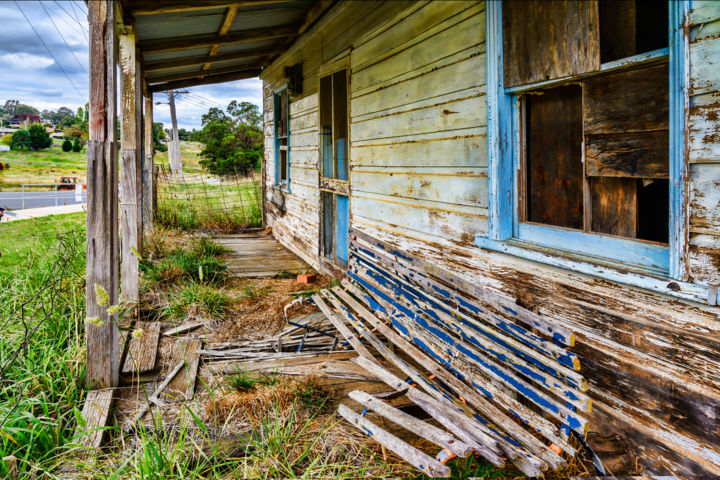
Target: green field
x=47, y=166
x=44, y=166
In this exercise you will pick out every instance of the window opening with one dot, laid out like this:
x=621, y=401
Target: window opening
x=282, y=128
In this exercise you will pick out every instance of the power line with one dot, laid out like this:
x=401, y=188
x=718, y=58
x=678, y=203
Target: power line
x=63, y=38
x=46, y=48
x=74, y=18
x=207, y=100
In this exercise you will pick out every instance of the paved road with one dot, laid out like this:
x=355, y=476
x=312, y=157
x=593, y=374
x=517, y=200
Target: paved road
x=13, y=200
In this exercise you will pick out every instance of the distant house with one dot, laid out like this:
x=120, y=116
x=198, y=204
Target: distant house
x=27, y=118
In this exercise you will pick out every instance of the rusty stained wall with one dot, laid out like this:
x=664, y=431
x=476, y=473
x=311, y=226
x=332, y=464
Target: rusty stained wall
x=418, y=181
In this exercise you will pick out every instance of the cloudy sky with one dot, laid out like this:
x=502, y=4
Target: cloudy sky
x=54, y=74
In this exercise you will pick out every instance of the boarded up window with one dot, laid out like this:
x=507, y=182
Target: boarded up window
x=545, y=40
x=596, y=147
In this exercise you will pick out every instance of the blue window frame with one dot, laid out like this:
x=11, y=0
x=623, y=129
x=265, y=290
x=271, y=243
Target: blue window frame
x=281, y=110
x=647, y=265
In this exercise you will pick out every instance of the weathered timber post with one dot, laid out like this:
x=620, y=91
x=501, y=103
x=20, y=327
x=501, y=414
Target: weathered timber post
x=148, y=163
x=131, y=192
x=101, y=335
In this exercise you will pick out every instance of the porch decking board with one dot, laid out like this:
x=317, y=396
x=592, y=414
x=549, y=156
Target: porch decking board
x=259, y=256
x=143, y=349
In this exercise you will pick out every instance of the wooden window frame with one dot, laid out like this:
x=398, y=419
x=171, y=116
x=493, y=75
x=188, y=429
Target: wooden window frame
x=642, y=264
x=277, y=94
x=333, y=185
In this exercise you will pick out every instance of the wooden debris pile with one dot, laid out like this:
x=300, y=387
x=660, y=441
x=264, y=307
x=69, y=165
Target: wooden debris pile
x=496, y=385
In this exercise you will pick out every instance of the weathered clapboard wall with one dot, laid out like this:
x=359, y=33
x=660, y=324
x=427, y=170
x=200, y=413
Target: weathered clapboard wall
x=704, y=148
x=419, y=182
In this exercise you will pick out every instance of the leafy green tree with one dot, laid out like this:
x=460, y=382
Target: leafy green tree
x=77, y=145
x=39, y=138
x=14, y=107
x=67, y=145
x=159, y=134
x=21, y=140
x=233, y=144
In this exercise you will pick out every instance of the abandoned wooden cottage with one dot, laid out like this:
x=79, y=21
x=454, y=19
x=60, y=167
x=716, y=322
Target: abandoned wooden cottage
x=552, y=167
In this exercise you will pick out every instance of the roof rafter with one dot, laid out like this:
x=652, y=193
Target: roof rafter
x=182, y=43
x=227, y=22
x=204, y=73
x=144, y=7
x=201, y=60
x=229, y=77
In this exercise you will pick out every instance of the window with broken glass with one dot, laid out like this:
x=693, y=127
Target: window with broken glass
x=583, y=115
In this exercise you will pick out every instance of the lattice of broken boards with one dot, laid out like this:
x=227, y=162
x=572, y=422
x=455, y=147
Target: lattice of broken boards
x=464, y=372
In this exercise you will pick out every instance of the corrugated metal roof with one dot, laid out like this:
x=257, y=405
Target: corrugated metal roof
x=169, y=25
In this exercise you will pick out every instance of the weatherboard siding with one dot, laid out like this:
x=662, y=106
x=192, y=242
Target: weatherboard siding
x=418, y=175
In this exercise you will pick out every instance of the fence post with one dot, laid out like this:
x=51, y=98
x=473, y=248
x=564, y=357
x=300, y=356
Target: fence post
x=23, y=196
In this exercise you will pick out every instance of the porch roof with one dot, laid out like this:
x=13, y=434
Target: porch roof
x=187, y=43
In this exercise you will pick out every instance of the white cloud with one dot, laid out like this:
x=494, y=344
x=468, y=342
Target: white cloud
x=26, y=61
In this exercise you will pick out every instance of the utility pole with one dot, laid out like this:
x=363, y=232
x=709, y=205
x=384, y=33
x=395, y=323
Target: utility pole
x=174, y=152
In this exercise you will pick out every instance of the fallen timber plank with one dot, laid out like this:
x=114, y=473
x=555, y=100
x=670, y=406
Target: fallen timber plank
x=182, y=386
x=478, y=379
x=185, y=327
x=451, y=295
x=425, y=430
x=95, y=413
x=555, y=331
x=142, y=353
x=344, y=331
x=483, y=361
x=499, y=418
x=467, y=427
x=527, y=463
x=407, y=452
x=500, y=345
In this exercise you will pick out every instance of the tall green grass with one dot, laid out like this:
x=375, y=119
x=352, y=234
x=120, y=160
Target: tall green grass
x=42, y=366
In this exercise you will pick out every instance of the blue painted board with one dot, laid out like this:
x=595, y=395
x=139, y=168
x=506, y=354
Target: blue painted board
x=342, y=223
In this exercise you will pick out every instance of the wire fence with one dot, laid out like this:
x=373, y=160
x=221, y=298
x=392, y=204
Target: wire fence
x=41, y=305
x=226, y=204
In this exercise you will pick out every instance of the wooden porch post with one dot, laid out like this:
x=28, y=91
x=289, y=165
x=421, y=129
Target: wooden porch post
x=131, y=192
x=148, y=163
x=101, y=333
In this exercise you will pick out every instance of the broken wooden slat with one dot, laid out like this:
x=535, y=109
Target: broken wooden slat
x=425, y=430
x=483, y=383
x=423, y=269
x=344, y=331
x=95, y=413
x=453, y=296
x=182, y=387
x=142, y=353
x=185, y=327
x=491, y=369
x=485, y=406
x=407, y=452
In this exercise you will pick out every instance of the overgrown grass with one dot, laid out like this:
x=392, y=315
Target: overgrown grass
x=195, y=298
x=200, y=263
x=42, y=364
x=242, y=381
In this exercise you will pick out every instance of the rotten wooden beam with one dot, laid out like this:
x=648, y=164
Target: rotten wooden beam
x=148, y=164
x=102, y=336
x=182, y=43
x=95, y=414
x=142, y=353
x=228, y=77
x=143, y=7
x=315, y=12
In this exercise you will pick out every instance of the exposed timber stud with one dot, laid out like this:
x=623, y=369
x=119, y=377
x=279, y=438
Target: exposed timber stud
x=101, y=334
x=131, y=194
x=148, y=163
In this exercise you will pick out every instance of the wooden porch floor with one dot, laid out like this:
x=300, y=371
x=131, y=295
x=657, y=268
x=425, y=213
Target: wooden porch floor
x=254, y=255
